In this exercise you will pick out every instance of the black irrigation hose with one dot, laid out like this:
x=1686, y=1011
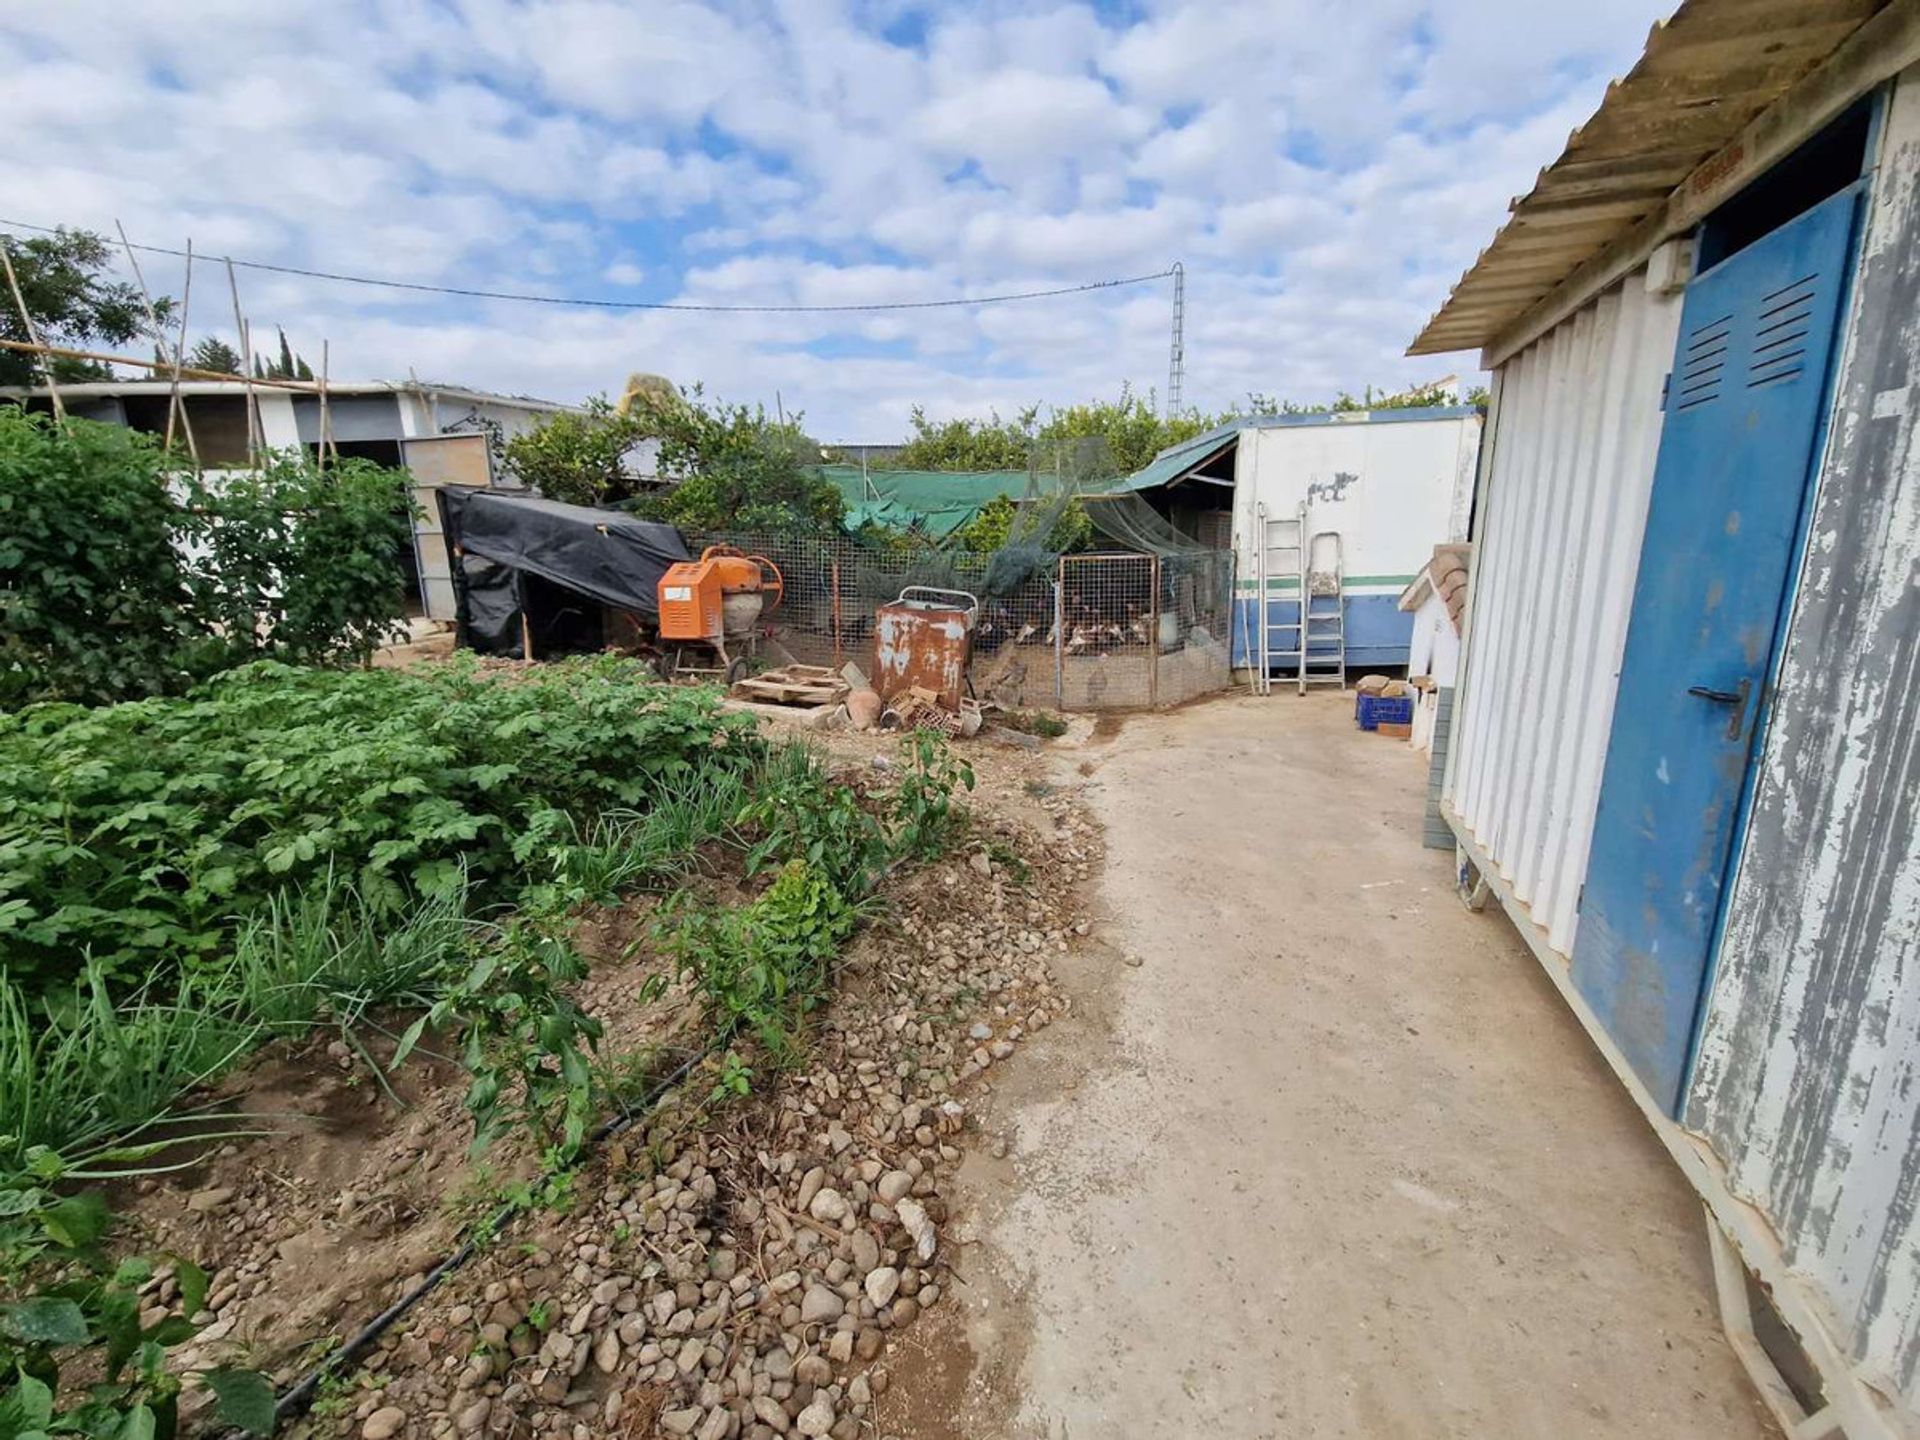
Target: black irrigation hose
x=297, y=1399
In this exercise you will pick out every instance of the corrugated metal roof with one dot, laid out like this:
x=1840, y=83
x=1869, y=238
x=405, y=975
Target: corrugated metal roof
x=1705, y=74
x=1178, y=460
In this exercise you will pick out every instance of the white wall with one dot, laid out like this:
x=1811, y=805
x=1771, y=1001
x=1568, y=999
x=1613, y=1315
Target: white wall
x=1435, y=648
x=1410, y=487
x=1574, y=431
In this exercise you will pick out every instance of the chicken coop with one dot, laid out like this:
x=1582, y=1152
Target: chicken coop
x=1104, y=629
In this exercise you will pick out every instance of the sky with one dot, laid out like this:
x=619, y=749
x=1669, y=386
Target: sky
x=1324, y=173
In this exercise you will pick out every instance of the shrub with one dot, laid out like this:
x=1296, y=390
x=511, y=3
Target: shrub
x=121, y=579
x=96, y=601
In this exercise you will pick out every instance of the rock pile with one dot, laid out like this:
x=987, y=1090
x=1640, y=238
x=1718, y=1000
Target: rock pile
x=744, y=1278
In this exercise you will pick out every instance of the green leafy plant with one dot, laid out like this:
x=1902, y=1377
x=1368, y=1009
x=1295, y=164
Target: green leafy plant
x=122, y=577
x=927, y=817
x=525, y=1042
x=800, y=814
x=147, y=833
x=763, y=965
x=735, y=1079
x=79, y=1311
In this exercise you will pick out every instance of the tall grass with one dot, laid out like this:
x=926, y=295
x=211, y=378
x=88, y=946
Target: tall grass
x=115, y=1069
x=621, y=851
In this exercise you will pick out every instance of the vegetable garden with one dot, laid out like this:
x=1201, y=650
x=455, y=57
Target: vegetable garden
x=223, y=855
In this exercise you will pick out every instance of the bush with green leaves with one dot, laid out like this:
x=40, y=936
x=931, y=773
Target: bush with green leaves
x=299, y=562
x=96, y=597
x=143, y=834
x=123, y=576
x=732, y=466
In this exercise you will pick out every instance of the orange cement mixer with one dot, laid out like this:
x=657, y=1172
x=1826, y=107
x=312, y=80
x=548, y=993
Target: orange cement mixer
x=716, y=603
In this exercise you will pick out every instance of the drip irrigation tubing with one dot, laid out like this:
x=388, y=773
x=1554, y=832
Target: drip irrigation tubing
x=300, y=1395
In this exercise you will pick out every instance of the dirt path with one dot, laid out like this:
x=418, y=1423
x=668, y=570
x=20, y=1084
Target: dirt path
x=1332, y=1160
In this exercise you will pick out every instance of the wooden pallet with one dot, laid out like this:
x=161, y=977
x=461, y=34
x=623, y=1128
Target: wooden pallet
x=794, y=685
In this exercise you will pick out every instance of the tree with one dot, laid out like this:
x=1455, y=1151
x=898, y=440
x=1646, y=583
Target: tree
x=737, y=468
x=73, y=303
x=212, y=353
x=577, y=456
x=730, y=467
x=288, y=365
x=1131, y=430
x=991, y=444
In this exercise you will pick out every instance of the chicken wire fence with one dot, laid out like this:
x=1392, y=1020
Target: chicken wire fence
x=1079, y=632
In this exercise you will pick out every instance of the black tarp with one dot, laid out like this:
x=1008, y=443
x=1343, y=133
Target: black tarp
x=556, y=562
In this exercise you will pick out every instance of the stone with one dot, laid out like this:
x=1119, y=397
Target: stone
x=810, y=1184
x=863, y=709
x=203, y=1202
x=913, y=1217
x=384, y=1423
x=682, y=1422
x=821, y=1306
x=882, y=1285
x=817, y=1419
x=828, y=1206
x=473, y=1419
x=606, y=1352
x=768, y=1412
x=866, y=1251
x=894, y=1185
x=719, y=1422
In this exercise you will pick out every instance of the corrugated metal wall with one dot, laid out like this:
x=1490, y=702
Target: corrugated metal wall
x=1575, y=428
x=1808, y=1077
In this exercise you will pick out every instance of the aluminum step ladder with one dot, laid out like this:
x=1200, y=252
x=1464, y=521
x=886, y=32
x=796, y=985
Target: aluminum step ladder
x=1323, y=607
x=1279, y=554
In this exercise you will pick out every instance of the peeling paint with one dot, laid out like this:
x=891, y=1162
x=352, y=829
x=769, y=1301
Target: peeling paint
x=1807, y=1081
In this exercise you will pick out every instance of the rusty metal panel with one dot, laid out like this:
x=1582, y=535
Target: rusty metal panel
x=924, y=644
x=1568, y=467
x=1807, y=1082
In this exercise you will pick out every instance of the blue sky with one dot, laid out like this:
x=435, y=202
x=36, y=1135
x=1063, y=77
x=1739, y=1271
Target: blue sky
x=1324, y=173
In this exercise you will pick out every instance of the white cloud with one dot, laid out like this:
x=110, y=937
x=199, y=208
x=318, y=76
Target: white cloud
x=1324, y=177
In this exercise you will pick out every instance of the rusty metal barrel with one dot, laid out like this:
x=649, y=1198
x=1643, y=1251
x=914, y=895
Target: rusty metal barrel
x=923, y=640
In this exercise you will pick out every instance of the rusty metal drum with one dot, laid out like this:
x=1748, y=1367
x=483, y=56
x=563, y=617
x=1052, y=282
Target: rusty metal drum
x=923, y=640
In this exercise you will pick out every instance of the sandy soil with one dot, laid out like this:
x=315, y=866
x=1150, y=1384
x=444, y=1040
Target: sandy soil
x=1331, y=1160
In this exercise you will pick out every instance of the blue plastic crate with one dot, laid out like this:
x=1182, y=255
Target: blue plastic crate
x=1371, y=711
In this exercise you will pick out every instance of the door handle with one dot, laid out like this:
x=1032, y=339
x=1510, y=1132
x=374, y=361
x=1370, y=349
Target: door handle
x=1737, y=698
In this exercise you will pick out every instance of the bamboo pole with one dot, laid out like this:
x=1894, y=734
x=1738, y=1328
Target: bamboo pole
x=256, y=435
x=174, y=397
x=174, y=403
x=33, y=331
x=187, y=372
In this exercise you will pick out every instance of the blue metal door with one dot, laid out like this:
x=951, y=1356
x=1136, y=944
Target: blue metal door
x=1745, y=408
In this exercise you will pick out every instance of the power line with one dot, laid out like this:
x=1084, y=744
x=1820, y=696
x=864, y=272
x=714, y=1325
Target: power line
x=598, y=304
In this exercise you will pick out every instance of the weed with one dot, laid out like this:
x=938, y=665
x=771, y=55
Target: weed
x=736, y=1079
